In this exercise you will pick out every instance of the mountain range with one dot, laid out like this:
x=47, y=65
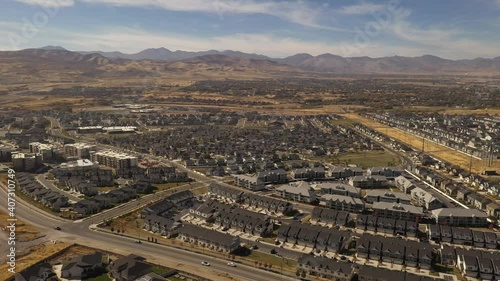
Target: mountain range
x=327, y=63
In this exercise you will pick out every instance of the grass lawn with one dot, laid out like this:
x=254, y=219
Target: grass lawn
x=103, y=277
x=343, y=122
x=199, y=191
x=160, y=270
x=368, y=159
x=165, y=186
x=275, y=261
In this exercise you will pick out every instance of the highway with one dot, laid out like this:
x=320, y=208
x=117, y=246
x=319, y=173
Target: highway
x=80, y=232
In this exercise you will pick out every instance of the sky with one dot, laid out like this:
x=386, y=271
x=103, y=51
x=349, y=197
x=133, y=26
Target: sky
x=454, y=29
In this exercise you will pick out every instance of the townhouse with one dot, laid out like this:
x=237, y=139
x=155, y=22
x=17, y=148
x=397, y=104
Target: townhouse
x=271, y=205
x=329, y=216
x=226, y=192
x=313, y=173
x=160, y=225
x=369, y=273
x=404, y=184
x=388, y=172
x=397, y=211
x=460, y=217
x=316, y=237
x=345, y=173
x=326, y=268
x=300, y=191
x=373, y=196
x=394, y=250
x=342, y=203
x=363, y=182
x=207, y=238
x=339, y=189
x=424, y=199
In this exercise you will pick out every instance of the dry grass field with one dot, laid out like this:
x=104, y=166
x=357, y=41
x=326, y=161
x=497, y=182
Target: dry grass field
x=37, y=254
x=436, y=150
x=24, y=232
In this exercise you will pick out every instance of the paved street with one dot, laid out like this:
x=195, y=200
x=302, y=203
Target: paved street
x=79, y=232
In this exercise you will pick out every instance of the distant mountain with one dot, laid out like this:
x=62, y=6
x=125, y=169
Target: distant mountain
x=53, y=48
x=39, y=65
x=324, y=63
x=395, y=64
x=167, y=55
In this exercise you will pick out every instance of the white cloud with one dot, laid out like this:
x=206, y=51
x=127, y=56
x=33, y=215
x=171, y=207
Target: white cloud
x=361, y=9
x=298, y=12
x=49, y=3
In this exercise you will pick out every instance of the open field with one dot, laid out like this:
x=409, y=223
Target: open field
x=38, y=254
x=364, y=159
x=24, y=232
x=436, y=150
x=447, y=110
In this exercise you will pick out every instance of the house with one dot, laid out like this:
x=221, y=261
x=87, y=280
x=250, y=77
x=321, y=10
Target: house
x=485, y=268
x=425, y=199
x=129, y=268
x=460, y=217
x=368, y=181
x=272, y=205
x=344, y=173
x=397, y=211
x=249, y=182
x=309, y=173
x=86, y=207
x=388, y=172
x=214, y=240
x=373, y=196
x=225, y=192
x=462, y=194
x=468, y=264
x=447, y=255
x=493, y=210
x=326, y=268
x=339, y=189
x=342, y=203
x=160, y=225
x=478, y=239
x=491, y=240
x=297, y=191
x=273, y=176
x=462, y=236
x=404, y=184
x=39, y=272
x=83, y=267
x=329, y=216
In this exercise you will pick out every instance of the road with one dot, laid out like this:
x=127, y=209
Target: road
x=48, y=184
x=80, y=232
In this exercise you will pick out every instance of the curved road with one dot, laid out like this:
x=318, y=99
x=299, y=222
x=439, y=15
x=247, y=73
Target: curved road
x=80, y=232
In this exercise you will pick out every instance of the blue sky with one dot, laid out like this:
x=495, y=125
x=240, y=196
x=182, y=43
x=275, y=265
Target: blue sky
x=448, y=28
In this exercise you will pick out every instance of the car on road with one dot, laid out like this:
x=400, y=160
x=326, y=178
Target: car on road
x=57, y=228
x=205, y=263
x=231, y=264
x=138, y=241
